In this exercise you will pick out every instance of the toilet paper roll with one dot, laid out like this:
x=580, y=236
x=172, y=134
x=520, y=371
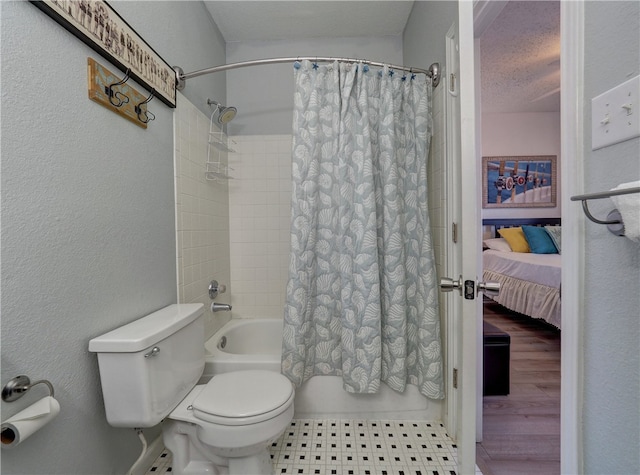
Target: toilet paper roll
x=19, y=427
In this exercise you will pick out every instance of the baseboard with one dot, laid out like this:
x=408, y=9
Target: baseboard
x=154, y=450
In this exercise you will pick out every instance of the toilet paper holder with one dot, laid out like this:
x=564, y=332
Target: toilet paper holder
x=18, y=386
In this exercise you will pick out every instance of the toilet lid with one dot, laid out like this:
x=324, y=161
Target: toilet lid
x=241, y=394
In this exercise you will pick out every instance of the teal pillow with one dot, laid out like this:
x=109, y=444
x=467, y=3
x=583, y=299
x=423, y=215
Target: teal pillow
x=539, y=240
x=556, y=234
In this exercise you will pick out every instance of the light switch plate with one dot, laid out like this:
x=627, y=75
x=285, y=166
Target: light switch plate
x=615, y=114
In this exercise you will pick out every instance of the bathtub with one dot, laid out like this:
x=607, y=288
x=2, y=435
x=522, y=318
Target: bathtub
x=244, y=343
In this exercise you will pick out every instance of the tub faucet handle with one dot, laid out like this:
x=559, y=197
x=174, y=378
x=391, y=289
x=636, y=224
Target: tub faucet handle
x=215, y=288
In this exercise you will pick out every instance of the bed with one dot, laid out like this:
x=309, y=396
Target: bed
x=529, y=281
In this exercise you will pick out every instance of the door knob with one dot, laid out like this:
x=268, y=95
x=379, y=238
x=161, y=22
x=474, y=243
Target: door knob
x=490, y=289
x=447, y=284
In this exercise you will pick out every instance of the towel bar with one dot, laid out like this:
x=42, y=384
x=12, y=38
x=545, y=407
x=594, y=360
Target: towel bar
x=614, y=219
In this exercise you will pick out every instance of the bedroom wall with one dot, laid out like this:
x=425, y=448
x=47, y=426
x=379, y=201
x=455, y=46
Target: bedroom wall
x=532, y=133
x=611, y=420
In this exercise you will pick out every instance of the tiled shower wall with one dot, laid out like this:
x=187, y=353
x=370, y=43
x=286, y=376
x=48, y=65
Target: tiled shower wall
x=259, y=216
x=202, y=215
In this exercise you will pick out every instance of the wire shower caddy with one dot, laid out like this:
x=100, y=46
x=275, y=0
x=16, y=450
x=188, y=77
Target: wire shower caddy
x=218, y=144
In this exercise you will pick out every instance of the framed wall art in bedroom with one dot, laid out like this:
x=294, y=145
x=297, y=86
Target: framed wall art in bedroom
x=519, y=181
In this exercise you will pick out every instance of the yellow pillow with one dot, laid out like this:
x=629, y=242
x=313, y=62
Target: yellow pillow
x=516, y=239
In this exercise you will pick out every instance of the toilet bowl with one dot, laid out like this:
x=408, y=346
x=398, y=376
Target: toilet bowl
x=149, y=371
x=230, y=422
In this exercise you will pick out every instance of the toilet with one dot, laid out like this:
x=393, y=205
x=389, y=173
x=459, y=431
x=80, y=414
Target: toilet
x=149, y=370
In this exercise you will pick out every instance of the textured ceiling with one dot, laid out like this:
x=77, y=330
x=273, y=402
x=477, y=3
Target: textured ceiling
x=520, y=49
x=520, y=58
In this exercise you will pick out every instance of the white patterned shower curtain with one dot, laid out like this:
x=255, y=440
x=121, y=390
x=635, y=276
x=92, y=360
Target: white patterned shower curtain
x=362, y=296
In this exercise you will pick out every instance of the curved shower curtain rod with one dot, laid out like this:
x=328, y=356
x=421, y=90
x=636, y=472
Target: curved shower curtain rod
x=433, y=72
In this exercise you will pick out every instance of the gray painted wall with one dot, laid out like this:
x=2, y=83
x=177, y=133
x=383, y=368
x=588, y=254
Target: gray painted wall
x=185, y=35
x=264, y=94
x=88, y=237
x=424, y=35
x=612, y=279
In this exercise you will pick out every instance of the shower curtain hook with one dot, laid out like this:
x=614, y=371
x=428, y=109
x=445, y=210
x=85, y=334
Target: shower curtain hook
x=145, y=116
x=108, y=90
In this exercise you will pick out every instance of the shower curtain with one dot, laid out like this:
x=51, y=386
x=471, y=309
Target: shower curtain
x=361, y=299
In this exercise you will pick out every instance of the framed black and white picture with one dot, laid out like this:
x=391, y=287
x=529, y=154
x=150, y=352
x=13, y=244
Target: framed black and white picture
x=99, y=26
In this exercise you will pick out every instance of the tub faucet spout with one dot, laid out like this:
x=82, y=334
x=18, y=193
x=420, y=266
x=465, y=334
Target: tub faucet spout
x=220, y=307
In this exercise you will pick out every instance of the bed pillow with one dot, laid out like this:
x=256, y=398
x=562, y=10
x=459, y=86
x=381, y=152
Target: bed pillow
x=539, y=240
x=497, y=244
x=555, y=233
x=515, y=238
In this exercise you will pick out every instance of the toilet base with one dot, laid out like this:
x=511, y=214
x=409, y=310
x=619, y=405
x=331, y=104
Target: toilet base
x=258, y=464
x=191, y=457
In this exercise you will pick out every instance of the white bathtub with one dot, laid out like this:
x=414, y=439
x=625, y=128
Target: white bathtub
x=249, y=343
x=257, y=344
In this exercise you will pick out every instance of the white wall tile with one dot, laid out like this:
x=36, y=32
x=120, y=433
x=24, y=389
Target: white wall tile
x=257, y=202
x=202, y=215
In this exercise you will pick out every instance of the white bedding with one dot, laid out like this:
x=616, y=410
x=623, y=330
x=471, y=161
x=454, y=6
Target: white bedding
x=530, y=283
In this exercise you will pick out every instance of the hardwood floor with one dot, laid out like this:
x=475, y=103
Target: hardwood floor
x=521, y=431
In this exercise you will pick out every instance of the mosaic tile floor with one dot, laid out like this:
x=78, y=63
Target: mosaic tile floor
x=357, y=447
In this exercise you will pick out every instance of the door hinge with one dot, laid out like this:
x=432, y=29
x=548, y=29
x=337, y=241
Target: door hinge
x=455, y=378
x=454, y=232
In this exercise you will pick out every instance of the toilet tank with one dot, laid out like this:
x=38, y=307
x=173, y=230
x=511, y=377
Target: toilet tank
x=148, y=366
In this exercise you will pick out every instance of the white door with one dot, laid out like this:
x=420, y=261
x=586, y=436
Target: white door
x=463, y=198
x=463, y=303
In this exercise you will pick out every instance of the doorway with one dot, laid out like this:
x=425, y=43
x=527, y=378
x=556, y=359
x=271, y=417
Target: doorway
x=520, y=116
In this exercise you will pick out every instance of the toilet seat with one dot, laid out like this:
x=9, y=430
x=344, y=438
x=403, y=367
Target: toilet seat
x=243, y=397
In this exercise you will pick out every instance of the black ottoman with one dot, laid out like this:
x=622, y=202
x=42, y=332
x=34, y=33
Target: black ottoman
x=496, y=350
